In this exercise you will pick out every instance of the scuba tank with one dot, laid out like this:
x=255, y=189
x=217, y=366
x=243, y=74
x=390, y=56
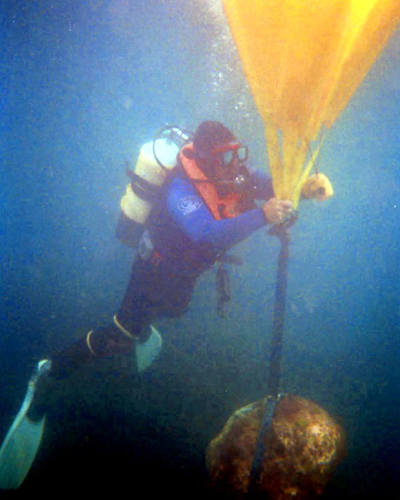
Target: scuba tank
x=156, y=159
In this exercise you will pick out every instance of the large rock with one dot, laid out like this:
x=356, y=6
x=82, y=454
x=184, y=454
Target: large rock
x=302, y=450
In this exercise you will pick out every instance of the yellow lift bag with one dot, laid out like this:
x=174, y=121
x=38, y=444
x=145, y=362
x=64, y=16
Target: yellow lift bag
x=303, y=60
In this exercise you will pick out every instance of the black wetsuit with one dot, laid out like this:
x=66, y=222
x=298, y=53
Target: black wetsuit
x=185, y=240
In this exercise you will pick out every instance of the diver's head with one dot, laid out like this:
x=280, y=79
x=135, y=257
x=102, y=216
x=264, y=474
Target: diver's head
x=218, y=153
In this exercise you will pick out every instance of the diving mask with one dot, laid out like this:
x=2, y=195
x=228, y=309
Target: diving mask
x=227, y=153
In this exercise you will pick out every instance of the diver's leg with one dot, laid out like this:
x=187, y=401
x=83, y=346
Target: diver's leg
x=99, y=343
x=131, y=329
x=120, y=338
x=23, y=439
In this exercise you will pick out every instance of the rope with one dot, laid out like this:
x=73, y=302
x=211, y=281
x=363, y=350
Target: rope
x=279, y=313
x=282, y=233
x=265, y=427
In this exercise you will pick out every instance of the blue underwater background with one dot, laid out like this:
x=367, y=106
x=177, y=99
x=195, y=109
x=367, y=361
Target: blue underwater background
x=83, y=86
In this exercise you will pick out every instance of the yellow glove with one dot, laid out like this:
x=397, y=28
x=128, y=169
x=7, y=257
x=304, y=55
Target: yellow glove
x=317, y=187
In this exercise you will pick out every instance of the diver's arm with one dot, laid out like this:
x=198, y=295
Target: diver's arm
x=190, y=212
x=260, y=184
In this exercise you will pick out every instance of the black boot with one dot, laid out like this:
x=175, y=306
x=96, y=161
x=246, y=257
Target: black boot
x=102, y=342
x=63, y=364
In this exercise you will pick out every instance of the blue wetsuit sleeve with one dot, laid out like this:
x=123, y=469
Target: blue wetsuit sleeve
x=191, y=214
x=261, y=184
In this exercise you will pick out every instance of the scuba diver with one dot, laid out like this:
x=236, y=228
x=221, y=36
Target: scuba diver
x=204, y=204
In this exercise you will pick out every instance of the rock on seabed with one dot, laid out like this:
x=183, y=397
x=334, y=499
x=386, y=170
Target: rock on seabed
x=301, y=452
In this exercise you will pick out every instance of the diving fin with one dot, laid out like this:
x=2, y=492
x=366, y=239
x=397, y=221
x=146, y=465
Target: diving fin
x=23, y=439
x=146, y=352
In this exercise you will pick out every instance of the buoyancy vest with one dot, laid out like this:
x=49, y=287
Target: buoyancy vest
x=221, y=207
x=175, y=250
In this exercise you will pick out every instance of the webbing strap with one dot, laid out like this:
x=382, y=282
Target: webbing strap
x=275, y=355
x=144, y=189
x=266, y=424
x=279, y=315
